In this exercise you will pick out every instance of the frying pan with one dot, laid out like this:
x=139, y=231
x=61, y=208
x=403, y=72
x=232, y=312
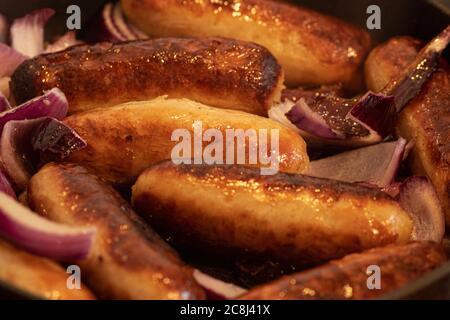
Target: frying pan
x=419, y=18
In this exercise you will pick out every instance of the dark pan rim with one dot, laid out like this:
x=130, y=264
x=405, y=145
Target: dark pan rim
x=14, y=293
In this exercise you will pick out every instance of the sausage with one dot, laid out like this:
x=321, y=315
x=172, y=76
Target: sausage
x=124, y=140
x=313, y=48
x=426, y=119
x=39, y=277
x=348, y=278
x=128, y=260
x=220, y=72
x=288, y=218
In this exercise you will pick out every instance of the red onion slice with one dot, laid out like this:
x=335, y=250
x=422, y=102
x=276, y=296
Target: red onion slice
x=4, y=87
x=320, y=115
x=26, y=145
x=4, y=28
x=5, y=185
x=217, y=289
x=52, y=104
x=102, y=27
x=393, y=189
x=307, y=120
x=138, y=34
x=4, y=103
x=27, y=33
x=10, y=59
x=111, y=23
x=40, y=236
x=123, y=26
x=418, y=197
x=376, y=165
x=62, y=43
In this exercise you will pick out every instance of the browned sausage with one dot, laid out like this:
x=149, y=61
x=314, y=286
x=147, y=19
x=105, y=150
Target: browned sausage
x=311, y=47
x=219, y=72
x=42, y=278
x=293, y=219
x=128, y=259
x=348, y=278
x=426, y=119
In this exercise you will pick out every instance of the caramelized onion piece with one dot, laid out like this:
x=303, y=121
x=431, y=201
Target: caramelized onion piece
x=40, y=236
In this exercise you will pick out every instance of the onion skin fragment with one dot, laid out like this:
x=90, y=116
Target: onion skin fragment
x=26, y=145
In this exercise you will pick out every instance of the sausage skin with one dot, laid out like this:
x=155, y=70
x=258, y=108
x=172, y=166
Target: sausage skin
x=219, y=72
x=426, y=119
x=348, y=278
x=128, y=260
x=292, y=219
x=37, y=276
x=313, y=48
x=125, y=140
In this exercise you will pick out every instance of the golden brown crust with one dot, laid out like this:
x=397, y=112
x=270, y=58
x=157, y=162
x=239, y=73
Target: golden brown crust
x=41, y=278
x=128, y=259
x=426, y=119
x=286, y=218
x=387, y=60
x=125, y=140
x=220, y=72
x=347, y=278
x=312, y=48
